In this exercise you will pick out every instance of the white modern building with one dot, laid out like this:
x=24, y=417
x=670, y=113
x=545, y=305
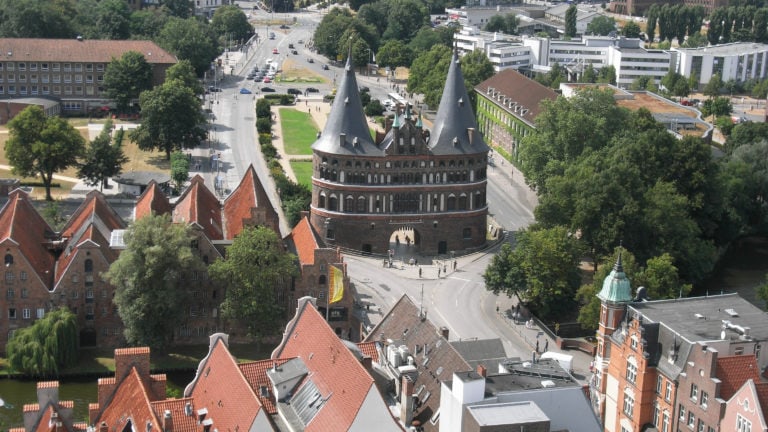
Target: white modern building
x=633, y=63
x=739, y=61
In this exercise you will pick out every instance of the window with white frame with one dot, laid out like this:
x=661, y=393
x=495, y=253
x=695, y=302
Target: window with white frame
x=742, y=424
x=668, y=391
x=656, y=414
x=629, y=405
x=704, y=399
x=665, y=422
x=691, y=420
x=631, y=372
x=694, y=392
x=659, y=382
x=681, y=410
x=40, y=313
x=26, y=313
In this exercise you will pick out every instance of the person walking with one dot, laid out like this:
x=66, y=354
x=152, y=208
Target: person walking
x=546, y=345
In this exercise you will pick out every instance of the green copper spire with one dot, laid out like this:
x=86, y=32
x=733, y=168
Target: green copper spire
x=616, y=286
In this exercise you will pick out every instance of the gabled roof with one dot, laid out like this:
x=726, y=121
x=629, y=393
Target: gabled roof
x=340, y=379
x=486, y=352
x=347, y=117
x=21, y=224
x=131, y=401
x=198, y=205
x=304, y=241
x=240, y=204
x=152, y=200
x=179, y=418
x=734, y=371
x=221, y=389
x=256, y=375
x=455, y=130
x=435, y=359
x=91, y=224
x=527, y=94
x=81, y=51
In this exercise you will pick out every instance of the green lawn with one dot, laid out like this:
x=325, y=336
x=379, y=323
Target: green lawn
x=299, y=131
x=302, y=169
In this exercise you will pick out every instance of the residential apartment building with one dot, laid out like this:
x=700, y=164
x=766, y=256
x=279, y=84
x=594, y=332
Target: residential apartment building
x=740, y=61
x=507, y=106
x=678, y=364
x=70, y=71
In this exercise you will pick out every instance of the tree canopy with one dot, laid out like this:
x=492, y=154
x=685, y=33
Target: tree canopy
x=171, y=119
x=230, y=22
x=506, y=23
x=151, y=276
x=255, y=267
x=189, y=39
x=42, y=145
x=103, y=157
x=603, y=25
x=570, y=21
x=49, y=344
x=126, y=77
x=429, y=70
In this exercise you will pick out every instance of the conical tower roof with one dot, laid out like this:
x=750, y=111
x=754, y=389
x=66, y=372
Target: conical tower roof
x=346, y=131
x=616, y=286
x=455, y=130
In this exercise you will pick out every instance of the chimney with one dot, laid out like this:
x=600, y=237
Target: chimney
x=167, y=421
x=444, y=332
x=103, y=427
x=482, y=371
x=367, y=363
x=406, y=400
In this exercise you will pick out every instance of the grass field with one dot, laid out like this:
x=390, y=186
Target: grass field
x=299, y=131
x=295, y=72
x=302, y=169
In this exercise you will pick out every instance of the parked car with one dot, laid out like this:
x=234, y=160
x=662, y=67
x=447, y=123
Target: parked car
x=275, y=51
x=284, y=27
x=310, y=60
x=245, y=91
x=364, y=89
x=267, y=89
x=290, y=46
x=312, y=90
x=267, y=80
x=271, y=35
x=250, y=77
x=294, y=91
x=294, y=52
x=325, y=67
x=301, y=41
x=213, y=89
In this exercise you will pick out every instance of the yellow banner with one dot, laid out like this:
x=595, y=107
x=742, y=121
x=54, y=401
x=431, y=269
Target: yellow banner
x=336, y=285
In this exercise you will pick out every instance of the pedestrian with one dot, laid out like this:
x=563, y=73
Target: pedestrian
x=445, y=268
x=534, y=356
x=438, y=272
x=546, y=345
x=454, y=264
x=419, y=271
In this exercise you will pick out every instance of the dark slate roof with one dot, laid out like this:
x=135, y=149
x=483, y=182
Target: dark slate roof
x=451, y=132
x=486, y=352
x=347, y=118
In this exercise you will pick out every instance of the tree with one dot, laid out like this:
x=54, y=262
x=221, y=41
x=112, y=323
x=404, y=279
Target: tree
x=42, y=145
x=712, y=89
x=586, y=296
x=103, y=158
x=178, y=8
x=762, y=291
x=374, y=108
x=171, y=119
x=570, y=21
x=631, y=30
x=506, y=23
x=255, y=268
x=542, y=270
x=394, y=53
x=602, y=25
x=151, y=276
x=404, y=19
x=661, y=280
x=428, y=72
x=718, y=106
x=126, y=77
x=330, y=30
x=179, y=169
x=230, y=23
x=113, y=19
x=189, y=39
x=475, y=68
x=35, y=19
x=425, y=39
x=147, y=23
x=184, y=72
x=49, y=344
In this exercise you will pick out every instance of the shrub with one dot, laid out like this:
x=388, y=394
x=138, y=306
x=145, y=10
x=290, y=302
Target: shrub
x=269, y=151
x=265, y=138
x=263, y=109
x=264, y=126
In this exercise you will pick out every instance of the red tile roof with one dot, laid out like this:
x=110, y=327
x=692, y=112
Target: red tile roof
x=333, y=368
x=734, y=371
x=85, y=51
x=130, y=402
x=152, y=200
x=304, y=241
x=239, y=206
x=222, y=389
x=92, y=223
x=200, y=206
x=181, y=421
x=256, y=374
x=21, y=224
x=369, y=350
x=518, y=88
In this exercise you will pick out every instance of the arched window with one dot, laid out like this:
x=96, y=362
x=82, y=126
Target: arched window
x=361, y=204
x=333, y=204
x=89, y=266
x=463, y=202
x=8, y=260
x=321, y=200
x=349, y=204
x=321, y=280
x=451, y=204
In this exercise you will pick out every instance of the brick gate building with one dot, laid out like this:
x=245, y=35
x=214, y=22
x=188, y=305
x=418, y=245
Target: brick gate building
x=432, y=182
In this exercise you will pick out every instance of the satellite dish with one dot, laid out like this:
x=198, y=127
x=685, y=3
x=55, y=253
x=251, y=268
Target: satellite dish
x=722, y=335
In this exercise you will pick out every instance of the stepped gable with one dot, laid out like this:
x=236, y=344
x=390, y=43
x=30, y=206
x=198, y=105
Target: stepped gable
x=49, y=414
x=333, y=371
x=220, y=389
x=256, y=374
x=522, y=93
x=89, y=227
x=455, y=130
x=152, y=200
x=249, y=205
x=198, y=205
x=734, y=371
x=22, y=227
x=347, y=118
x=435, y=359
x=304, y=241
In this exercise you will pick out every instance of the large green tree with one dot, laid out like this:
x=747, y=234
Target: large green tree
x=229, y=23
x=104, y=158
x=542, y=270
x=570, y=21
x=171, y=119
x=602, y=25
x=189, y=39
x=430, y=68
x=36, y=19
x=394, y=53
x=502, y=23
x=126, y=77
x=151, y=277
x=256, y=266
x=105, y=19
x=39, y=145
x=184, y=72
x=49, y=344
x=404, y=19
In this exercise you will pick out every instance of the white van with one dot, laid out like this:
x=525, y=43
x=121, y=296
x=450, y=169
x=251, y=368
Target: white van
x=268, y=62
x=565, y=360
